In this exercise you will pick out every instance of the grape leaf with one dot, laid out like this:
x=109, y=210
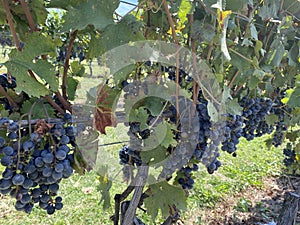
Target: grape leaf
x=72, y=84
x=253, y=32
x=154, y=105
x=38, y=110
x=139, y=115
x=232, y=107
x=25, y=82
x=292, y=135
x=161, y=135
x=77, y=69
x=259, y=74
x=293, y=54
x=63, y=4
x=163, y=196
x=22, y=61
x=104, y=186
x=127, y=30
x=269, y=9
x=276, y=52
x=294, y=100
x=153, y=156
x=105, y=103
x=98, y=13
x=185, y=8
x=212, y=112
x=271, y=119
x=86, y=149
x=253, y=82
x=38, y=11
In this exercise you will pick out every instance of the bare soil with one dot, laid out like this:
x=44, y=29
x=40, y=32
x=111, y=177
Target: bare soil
x=251, y=206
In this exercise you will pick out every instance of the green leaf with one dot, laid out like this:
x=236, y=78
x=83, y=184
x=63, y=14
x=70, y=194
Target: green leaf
x=292, y=136
x=258, y=48
x=127, y=30
x=154, y=156
x=87, y=149
x=271, y=119
x=37, y=110
x=276, y=52
x=77, y=69
x=253, y=31
x=226, y=94
x=155, y=105
x=104, y=187
x=294, y=54
x=294, y=100
x=123, y=73
x=98, y=13
x=63, y=4
x=259, y=74
x=233, y=107
x=46, y=72
x=202, y=30
x=22, y=61
x=161, y=135
x=253, y=82
x=184, y=9
x=163, y=196
x=139, y=115
x=239, y=62
x=25, y=82
x=38, y=11
x=212, y=112
x=269, y=9
x=71, y=87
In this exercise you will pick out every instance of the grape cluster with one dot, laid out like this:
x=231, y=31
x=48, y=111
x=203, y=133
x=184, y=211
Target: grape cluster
x=6, y=41
x=185, y=179
x=281, y=111
x=209, y=138
x=254, y=113
x=62, y=53
x=232, y=132
x=129, y=156
x=35, y=166
x=290, y=155
x=187, y=138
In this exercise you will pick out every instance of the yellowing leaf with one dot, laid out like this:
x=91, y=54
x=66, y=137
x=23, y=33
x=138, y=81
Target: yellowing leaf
x=221, y=16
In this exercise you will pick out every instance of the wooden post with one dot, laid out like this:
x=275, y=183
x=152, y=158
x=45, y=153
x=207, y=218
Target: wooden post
x=289, y=209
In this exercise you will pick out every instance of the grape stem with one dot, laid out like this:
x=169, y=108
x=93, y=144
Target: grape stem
x=63, y=101
x=171, y=22
x=57, y=107
x=160, y=113
x=195, y=71
x=11, y=101
x=11, y=24
x=28, y=15
x=67, y=64
x=233, y=79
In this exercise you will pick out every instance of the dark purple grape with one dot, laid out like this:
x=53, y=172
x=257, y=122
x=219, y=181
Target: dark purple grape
x=18, y=179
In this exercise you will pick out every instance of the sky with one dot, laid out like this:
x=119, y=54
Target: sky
x=125, y=8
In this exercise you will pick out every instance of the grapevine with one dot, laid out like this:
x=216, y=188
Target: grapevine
x=195, y=78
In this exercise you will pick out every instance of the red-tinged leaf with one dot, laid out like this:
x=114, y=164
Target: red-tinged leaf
x=104, y=113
